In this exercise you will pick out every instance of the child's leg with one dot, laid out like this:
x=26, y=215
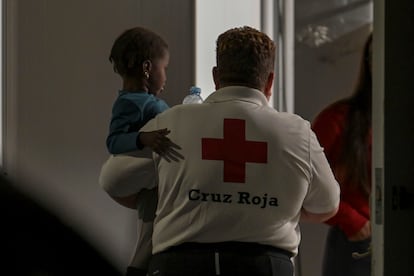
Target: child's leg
x=147, y=204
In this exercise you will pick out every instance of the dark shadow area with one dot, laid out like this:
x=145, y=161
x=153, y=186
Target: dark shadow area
x=35, y=242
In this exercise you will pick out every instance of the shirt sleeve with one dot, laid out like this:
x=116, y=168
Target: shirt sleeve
x=328, y=126
x=151, y=111
x=127, y=174
x=328, y=129
x=151, y=125
x=348, y=219
x=120, y=138
x=323, y=192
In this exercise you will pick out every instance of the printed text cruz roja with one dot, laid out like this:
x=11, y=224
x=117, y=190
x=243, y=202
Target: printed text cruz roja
x=240, y=198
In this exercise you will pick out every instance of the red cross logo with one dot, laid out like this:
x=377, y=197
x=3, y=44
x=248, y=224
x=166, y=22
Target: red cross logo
x=234, y=150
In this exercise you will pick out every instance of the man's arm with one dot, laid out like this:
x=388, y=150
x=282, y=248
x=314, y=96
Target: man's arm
x=314, y=217
x=322, y=199
x=123, y=176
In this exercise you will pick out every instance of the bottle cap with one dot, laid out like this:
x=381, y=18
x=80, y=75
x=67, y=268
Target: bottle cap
x=195, y=90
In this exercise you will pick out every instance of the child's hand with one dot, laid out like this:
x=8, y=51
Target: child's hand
x=159, y=142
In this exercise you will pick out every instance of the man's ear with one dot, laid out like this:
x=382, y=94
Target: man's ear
x=268, y=85
x=216, y=77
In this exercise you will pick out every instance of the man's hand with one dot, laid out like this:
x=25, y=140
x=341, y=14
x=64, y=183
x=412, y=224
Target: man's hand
x=159, y=142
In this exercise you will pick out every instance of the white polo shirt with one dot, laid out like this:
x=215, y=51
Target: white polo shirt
x=248, y=171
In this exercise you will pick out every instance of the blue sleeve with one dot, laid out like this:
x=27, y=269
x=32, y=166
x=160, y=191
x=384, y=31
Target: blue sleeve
x=152, y=110
x=120, y=138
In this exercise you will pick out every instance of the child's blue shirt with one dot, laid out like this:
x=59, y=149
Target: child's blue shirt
x=130, y=112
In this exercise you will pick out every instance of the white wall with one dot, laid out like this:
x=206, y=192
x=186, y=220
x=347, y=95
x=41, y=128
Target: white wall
x=212, y=18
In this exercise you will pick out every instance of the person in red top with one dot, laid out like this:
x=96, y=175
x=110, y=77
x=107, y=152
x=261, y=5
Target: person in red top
x=344, y=129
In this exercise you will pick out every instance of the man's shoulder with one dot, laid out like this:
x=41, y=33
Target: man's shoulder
x=291, y=119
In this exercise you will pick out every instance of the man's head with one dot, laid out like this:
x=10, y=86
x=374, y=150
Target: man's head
x=246, y=57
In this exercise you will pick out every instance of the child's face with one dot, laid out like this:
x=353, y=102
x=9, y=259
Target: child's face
x=158, y=74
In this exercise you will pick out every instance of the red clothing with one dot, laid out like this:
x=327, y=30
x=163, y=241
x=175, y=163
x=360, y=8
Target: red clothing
x=353, y=210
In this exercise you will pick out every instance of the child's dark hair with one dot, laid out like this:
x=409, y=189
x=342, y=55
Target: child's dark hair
x=133, y=47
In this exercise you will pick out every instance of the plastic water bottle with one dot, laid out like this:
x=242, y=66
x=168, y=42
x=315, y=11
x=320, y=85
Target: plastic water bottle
x=194, y=96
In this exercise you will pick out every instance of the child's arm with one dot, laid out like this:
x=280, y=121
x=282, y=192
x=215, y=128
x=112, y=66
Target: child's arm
x=121, y=139
x=159, y=142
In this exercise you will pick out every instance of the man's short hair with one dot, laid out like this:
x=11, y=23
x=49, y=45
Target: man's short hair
x=245, y=56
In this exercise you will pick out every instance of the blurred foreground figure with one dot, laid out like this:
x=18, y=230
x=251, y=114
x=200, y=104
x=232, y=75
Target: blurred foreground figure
x=33, y=242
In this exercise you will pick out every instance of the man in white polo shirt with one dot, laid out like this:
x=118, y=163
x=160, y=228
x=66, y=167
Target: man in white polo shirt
x=249, y=173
